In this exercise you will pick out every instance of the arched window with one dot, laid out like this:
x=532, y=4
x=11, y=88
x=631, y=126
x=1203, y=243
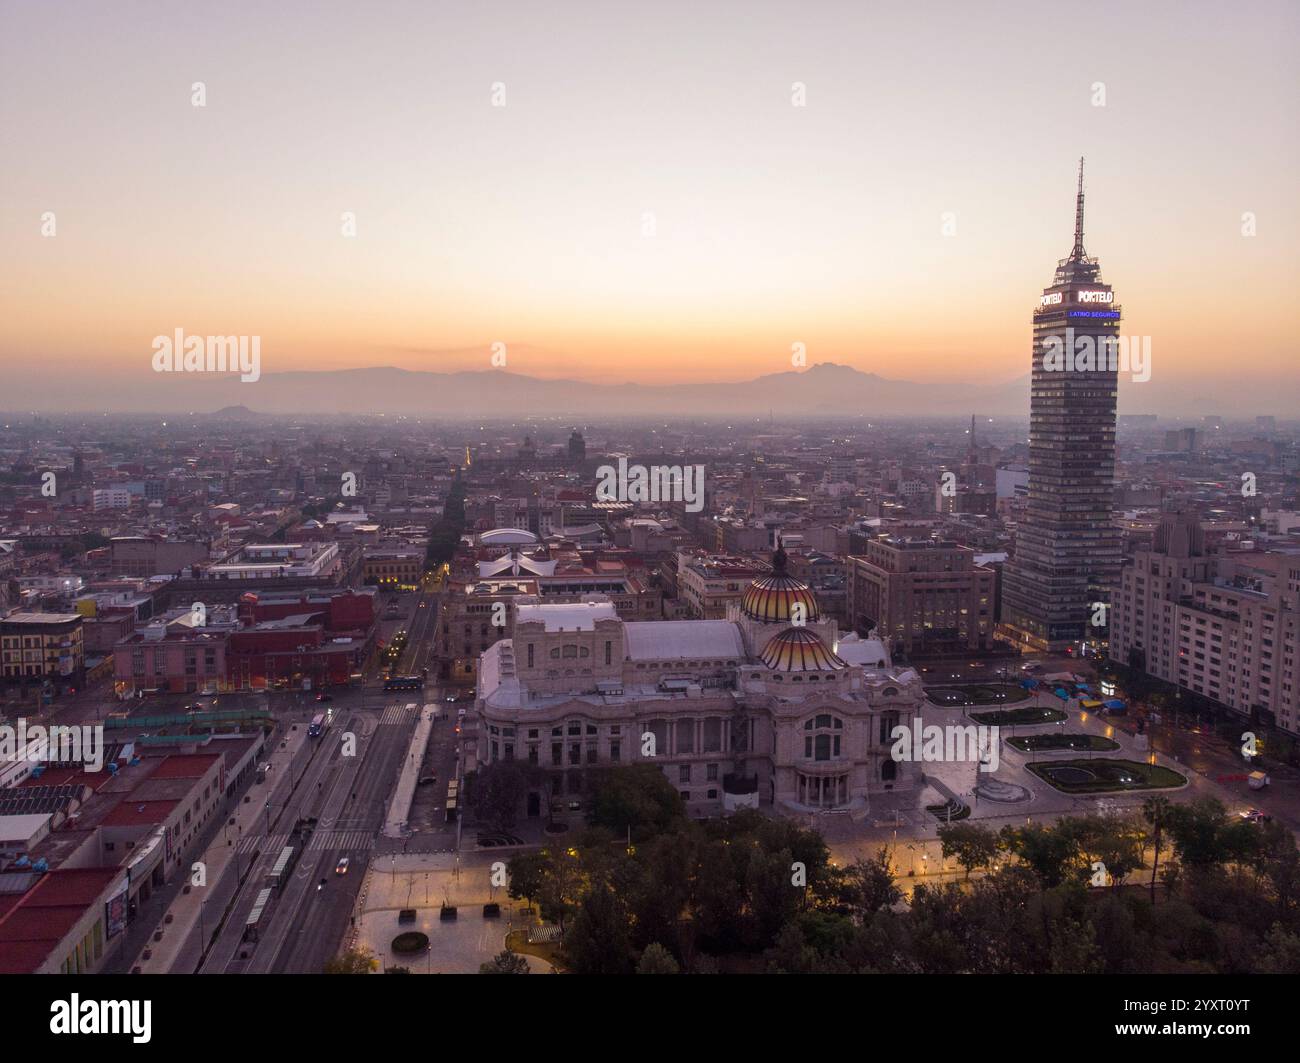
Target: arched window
x=888, y=770
x=888, y=722
x=821, y=738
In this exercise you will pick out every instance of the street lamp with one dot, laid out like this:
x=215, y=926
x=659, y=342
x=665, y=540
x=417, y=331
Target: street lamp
x=203, y=937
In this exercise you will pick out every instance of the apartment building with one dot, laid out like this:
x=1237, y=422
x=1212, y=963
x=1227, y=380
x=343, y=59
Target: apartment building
x=926, y=596
x=1223, y=625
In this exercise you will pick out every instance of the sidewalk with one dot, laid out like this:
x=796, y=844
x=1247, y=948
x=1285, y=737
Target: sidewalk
x=208, y=902
x=399, y=808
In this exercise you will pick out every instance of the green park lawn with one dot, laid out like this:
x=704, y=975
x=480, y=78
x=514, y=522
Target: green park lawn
x=1105, y=775
x=1020, y=717
x=977, y=694
x=1044, y=743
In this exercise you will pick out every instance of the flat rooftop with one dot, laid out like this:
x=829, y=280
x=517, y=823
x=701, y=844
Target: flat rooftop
x=569, y=616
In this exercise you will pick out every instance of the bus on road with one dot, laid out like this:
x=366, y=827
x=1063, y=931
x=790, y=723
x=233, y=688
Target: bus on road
x=404, y=682
x=317, y=726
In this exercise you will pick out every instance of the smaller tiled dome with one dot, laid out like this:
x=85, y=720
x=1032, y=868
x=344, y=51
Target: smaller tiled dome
x=799, y=650
x=771, y=599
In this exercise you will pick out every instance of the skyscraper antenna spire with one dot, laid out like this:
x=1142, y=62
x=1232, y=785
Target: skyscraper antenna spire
x=1078, y=217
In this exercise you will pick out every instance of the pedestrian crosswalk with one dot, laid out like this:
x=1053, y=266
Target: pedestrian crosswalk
x=321, y=840
x=261, y=843
x=341, y=839
x=396, y=715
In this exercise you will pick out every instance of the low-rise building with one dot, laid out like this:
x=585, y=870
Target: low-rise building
x=708, y=585
x=392, y=566
x=42, y=646
x=67, y=895
x=276, y=561
x=139, y=555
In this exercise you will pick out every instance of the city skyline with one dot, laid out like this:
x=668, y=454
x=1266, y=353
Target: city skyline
x=880, y=210
x=587, y=489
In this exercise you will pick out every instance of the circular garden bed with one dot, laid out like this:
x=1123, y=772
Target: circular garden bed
x=410, y=941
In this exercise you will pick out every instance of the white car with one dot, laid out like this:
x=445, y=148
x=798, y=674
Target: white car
x=341, y=868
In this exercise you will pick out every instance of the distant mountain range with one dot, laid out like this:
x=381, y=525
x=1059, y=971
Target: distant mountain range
x=823, y=390
x=826, y=390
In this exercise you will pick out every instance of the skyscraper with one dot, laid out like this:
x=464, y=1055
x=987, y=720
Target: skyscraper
x=1067, y=555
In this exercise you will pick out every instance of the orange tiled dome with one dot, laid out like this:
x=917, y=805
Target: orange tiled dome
x=770, y=598
x=800, y=650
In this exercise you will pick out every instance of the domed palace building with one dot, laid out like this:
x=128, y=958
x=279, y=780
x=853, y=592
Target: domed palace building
x=770, y=706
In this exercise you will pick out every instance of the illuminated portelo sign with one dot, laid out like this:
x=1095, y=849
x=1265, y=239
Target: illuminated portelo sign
x=1096, y=297
x=1051, y=298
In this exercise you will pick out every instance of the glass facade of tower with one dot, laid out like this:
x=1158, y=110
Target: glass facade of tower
x=1067, y=555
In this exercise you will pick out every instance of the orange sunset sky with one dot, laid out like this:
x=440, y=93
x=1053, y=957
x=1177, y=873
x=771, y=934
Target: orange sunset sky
x=769, y=224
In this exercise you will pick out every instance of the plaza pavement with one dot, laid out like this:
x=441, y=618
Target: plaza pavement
x=424, y=882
